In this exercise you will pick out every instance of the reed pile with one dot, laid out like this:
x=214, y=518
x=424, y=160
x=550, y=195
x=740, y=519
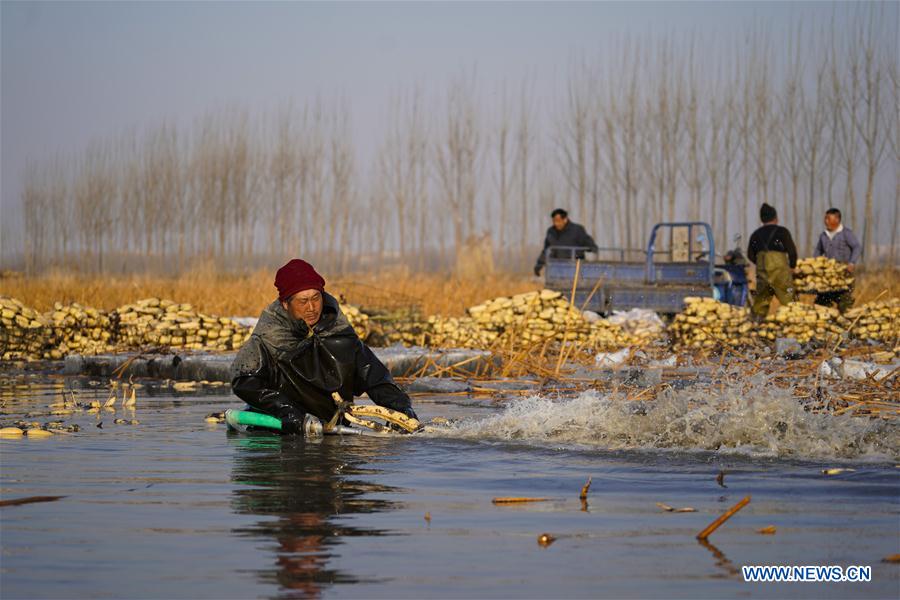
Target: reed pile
x=708, y=323
x=643, y=326
x=23, y=332
x=535, y=320
x=358, y=320
x=821, y=274
x=804, y=323
x=157, y=322
x=530, y=319
x=77, y=329
x=876, y=321
x=402, y=326
x=456, y=332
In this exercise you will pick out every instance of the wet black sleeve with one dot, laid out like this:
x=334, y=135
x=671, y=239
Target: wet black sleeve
x=255, y=382
x=373, y=378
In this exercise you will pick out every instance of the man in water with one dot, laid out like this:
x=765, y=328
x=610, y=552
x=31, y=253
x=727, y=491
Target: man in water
x=773, y=252
x=839, y=243
x=302, y=349
x=564, y=233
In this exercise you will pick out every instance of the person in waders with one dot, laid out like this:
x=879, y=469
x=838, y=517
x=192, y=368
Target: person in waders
x=839, y=243
x=303, y=350
x=772, y=250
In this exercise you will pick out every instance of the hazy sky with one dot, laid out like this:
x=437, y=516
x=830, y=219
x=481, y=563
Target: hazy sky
x=73, y=72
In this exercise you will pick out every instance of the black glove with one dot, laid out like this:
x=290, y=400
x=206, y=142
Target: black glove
x=409, y=412
x=291, y=421
x=537, y=270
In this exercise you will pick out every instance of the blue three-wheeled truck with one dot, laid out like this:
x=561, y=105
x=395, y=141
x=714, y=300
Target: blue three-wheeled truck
x=679, y=261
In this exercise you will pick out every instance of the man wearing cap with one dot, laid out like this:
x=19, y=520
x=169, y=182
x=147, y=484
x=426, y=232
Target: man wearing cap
x=772, y=250
x=839, y=243
x=302, y=349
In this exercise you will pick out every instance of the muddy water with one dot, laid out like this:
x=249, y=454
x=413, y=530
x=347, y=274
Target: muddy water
x=175, y=508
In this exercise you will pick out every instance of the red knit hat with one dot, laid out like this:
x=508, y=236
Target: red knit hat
x=297, y=275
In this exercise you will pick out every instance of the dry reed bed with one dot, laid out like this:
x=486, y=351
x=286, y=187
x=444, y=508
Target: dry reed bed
x=247, y=295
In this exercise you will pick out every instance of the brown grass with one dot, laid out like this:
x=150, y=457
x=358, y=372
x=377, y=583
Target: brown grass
x=248, y=295
x=870, y=284
x=431, y=293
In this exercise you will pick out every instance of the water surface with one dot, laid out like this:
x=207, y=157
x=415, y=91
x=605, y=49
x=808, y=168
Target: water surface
x=175, y=508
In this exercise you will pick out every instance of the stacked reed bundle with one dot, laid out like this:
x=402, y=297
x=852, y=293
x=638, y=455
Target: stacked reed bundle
x=821, y=274
x=23, y=331
x=707, y=323
x=156, y=322
x=804, y=323
x=877, y=321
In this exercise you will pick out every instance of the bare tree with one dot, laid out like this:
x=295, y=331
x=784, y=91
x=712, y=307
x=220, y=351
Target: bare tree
x=455, y=158
x=815, y=121
x=342, y=177
x=502, y=179
x=34, y=207
x=573, y=131
x=283, y=175
x=94, y=195
x=693, y=169
x=791, y=113
x=895, y=148
x=728, y=153
x=869, y=120
x=523, y=161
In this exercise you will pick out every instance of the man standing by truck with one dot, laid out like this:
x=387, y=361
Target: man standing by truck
x=564, y=232
x=773, y=252
x=839, y=243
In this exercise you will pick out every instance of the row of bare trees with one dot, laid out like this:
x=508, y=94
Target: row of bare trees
x=658, y=131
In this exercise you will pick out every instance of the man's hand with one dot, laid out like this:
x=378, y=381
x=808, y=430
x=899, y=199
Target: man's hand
x=409, y=412
x=291, y=421
x=537, y=270
x=850, y=267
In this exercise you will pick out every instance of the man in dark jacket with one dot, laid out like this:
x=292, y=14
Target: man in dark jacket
x=564, y=233
x=773, y=252
x=302, y=350
x=839, y=243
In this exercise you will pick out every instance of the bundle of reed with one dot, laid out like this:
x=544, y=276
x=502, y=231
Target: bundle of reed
x=24, y=333
x=78, y=329
x=804, y=323
x=821, y=274
x=877, y=321
x=708, y=323
x=156, y=322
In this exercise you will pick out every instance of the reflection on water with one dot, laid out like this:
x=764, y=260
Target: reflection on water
x=721, y=560
x=300, y=490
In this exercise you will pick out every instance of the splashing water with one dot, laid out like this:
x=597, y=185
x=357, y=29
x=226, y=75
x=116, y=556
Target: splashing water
x=760, y=420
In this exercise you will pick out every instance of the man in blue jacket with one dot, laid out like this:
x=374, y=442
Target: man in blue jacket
x=839, y=243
